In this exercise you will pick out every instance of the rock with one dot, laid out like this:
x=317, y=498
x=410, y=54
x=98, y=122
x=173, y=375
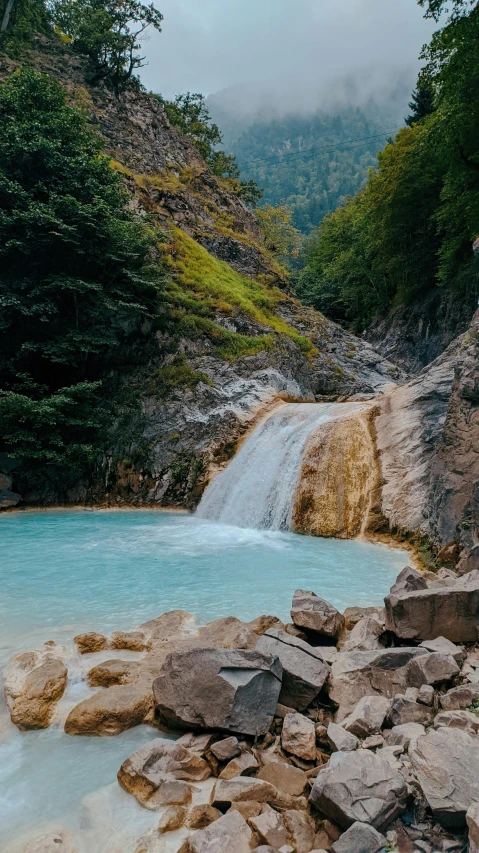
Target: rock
x=465, y=720
x=112, y=672
x=300, y=828
x=444, y=647
x=227, y=791
x=299, y=736
x=432, y=669
x=111, y=711
x=404, y=710
x=34, y=683
x=304, y=670
x=196, y=743
x=446, y=764
x=5, y=481
x=405, y=734
x=365, y=635
x=341, y=740
x=472, y=818
x=409, y=580
x=311, y=612
x=244, y=765
x=132, y=641
x=89, y=643
x=270, y=828
x=247, y=808
x=425, y=695
x=360, y=838
x=230, y=833
x=373, y=742
x=451, y=612
x=156, y=773
x=459, y=697
x=173, y=818
x=353, y=615
x=263, y=623
x=200, y=816
x=357, y=674
x=285, y=778
x=359, y=786
x=368, y=716
x=230, y=690
x=226, y=749
x=8, y=498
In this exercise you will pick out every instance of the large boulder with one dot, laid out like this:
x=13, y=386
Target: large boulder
x=298, y=736
x=112, y=711
x=230, y=833
x=425, y=614
x=472, y=818
x=405, y=710
x=378, y=673
x=34, y=683
x=304, y=670
x=242, y=789
x=460, y=697
x=360, y=838
x=359, y=786
x=150, y=771
x=446, y=764
x=408, y=580
x=365, y=636
x=232, y=690
x=368, y=716
x=311, y=612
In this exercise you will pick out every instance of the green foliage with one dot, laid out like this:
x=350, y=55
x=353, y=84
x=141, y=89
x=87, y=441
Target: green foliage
x=412, y=226
x=74, y=289
x=19, y=20
x=281, y=238
x=422, y=103
x=109, y=32
x=177, y=374
x=435, y=8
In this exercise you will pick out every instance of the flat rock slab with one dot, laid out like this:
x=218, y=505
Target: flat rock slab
x=359, y=786
x=285, y=778
x=230, y=833
x=242, y=789
x=231, y=690
x=311, y=612
x=304, y=670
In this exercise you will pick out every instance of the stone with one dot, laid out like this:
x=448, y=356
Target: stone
x=311, y=612
x=173, y=818
x=360, y=838
x=5, y=481
x=304, y=670
x=150, y=773
x=340, y=739
x=472, y=819
x=433, y=668
x=404, y=710
x=446, y=764
x=227, y=689
x=90, y=643
x=285, y=778
x=244, y=765
x=409, y=580
x=133, y=641
x=110, y=712
x=112, y=672
x=368, y=716
x=426, y=695
x=197, y=743
x=356, y=674
x=270, y=828
x=365, y=636
x=225, y=750
x=405, y=734
x=247, y=808
x=299, y=736
x=34, y=683
x=200, y=816
x=8, y=498
x=359, y=786
x=373, y=742
x=445, y=647
x=459, y=697
x=352, y=615
x=465, y=720
x=230, y=833
x=450, y=612
x=228, y=791
x=300, y=828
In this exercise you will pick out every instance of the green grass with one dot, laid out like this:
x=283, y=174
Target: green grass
x=171, y=376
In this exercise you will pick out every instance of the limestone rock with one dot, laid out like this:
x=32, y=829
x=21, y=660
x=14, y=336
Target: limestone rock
x=285, y=778
x=433, y=668
x=459, y=697
x=240, y=789
x=111, y=711
x=200, y=816
x=444, y=647
x=173, y=818
x=404, y=710
x=157, y=773
x=409, y=580
x=425, y=695
x=365, y=635
x=230, y=833
x=360, y=838
x=405, y=735
x=340, y=739
x=209, y=688
x=299, y=736
x=465, y=720
x=244, y=765
x=353, y=615
x=311, y=612
x=451, y=612
x=89, y=643
x=446, y=764
x=225, y=750
x=472, y=818
x=34, y=683
x=300, y=828
x=8, y=498
x=359, y=786
x=132, y=641
x=112, y=672
x=304, y=670
x=368, y=716
x=270, y=828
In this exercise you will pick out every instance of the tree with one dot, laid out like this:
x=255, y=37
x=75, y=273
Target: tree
x=20, y=19
x=281, y=238
x=75, y=288
x=422, y=103
x=435, y=8
x=110, y=32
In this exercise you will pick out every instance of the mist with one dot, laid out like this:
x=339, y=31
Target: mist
x=286, y=55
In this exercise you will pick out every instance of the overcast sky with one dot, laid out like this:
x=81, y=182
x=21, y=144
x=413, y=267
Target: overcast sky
x=290, y=46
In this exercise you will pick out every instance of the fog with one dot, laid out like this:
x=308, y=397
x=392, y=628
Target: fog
x=297, y=54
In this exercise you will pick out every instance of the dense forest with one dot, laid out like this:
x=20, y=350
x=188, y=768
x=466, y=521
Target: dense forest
x=411, y=228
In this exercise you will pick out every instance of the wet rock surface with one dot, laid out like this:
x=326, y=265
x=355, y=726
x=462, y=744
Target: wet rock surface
x=34, y=683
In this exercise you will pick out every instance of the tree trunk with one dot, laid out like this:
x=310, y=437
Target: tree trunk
x=6, y=17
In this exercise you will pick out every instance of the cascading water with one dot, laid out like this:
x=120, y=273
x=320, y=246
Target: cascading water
x=258, y=487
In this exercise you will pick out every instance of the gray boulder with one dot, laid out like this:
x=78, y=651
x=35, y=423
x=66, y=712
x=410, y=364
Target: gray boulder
x=360, y=838
x=368, y=716
x=359, y=786
x=228, y=689
x=311, y=612
x=460, y=697
x=451, y=612
x=404, y=710
x=446, y=765
x=230, y=833
x=432, y=669
x=365, y=636
x=409, y=580
x=304, y=670
x=405, y=734
x=445, y=647
x=341, y=740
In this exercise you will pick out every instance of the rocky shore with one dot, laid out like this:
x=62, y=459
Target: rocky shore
x=338, y=732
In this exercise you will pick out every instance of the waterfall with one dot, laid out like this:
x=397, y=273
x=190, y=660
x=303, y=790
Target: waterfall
x=258, y=487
